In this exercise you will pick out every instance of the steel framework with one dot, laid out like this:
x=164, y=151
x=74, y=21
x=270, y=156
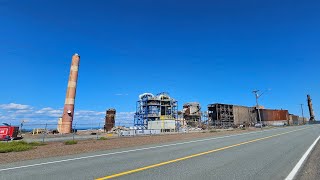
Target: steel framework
x=154, y=108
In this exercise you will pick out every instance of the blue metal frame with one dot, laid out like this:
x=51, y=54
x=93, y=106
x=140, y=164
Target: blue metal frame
x=149, y=109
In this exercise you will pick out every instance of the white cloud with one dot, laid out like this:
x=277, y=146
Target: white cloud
x=25, y=111
x=43, y=110
x=120, y=94
x=13, y=106
x=15, y=113
x=50, y=112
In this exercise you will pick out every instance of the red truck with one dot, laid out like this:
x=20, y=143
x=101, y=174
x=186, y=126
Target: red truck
x=8, y=132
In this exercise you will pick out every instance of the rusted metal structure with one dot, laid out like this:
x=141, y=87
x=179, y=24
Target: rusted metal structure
x=110, y=119
x=68, y=111
x=227, y=115
x=192, y=113
x=312, y=117
x=274, y=115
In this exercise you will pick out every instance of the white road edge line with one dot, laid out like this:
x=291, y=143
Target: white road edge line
x=133, y=150
x=295, y=170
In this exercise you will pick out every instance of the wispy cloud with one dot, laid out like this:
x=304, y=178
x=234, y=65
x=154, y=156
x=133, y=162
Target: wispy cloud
x=15, y=113
x=14, y=106
x=120, y=94
x=50, y=112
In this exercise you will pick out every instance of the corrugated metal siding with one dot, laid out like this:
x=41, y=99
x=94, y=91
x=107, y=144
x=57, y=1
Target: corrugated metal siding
x=274, y=115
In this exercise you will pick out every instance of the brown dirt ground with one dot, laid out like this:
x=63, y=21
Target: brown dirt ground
x=55, y=149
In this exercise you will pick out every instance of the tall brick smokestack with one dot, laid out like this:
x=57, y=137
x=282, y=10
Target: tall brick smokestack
x=312, y=118
x=110, y=119
x=68, y=111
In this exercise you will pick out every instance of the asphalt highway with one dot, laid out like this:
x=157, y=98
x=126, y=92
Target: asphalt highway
x=268, y=154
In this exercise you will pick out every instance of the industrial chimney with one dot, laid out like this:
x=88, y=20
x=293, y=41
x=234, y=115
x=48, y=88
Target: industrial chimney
x=110, y=119
x=312, y=118
x=68, y=111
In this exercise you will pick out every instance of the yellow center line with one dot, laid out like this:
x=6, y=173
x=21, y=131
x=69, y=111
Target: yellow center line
x=192, y=156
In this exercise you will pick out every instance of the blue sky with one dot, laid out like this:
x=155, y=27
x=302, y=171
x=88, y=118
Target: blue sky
x=205, y=51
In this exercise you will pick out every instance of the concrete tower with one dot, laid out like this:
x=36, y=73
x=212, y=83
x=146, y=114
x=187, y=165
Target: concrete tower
x=312, y=118
x=68, y=111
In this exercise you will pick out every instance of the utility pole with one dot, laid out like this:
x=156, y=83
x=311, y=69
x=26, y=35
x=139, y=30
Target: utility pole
x=258, y=107
x=302, y=114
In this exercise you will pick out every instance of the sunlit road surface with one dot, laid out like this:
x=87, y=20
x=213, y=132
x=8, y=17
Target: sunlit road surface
x=268, y=154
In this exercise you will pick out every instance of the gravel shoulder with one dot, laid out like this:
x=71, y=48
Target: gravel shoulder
x=55, y=149
x=311, y=168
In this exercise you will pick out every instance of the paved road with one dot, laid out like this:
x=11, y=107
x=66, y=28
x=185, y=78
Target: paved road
x=270, y=154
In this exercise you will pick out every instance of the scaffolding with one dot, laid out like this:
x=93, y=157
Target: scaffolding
x=155, y=108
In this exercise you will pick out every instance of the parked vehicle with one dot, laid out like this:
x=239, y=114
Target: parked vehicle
x=9, y=132
x=258, y=125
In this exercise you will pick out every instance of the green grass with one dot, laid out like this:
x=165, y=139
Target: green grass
x=103, y=138
x=16, y=146
x=70, y=142
x=212, y=131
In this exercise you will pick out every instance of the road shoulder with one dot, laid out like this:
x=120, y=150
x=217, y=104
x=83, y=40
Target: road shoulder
x=310, y=169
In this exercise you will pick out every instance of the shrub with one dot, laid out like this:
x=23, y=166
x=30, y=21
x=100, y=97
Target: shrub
x=103, y=138
x=70, y=142
x=37, y=144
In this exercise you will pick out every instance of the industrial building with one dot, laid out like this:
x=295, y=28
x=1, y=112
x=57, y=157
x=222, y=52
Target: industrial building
x=227, y=115
x=156, y=111
x=192, y=114
x=274, y=116
x=296, y=120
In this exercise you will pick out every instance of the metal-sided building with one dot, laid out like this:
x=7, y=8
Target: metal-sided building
x=274, y=117
x=297, y=120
